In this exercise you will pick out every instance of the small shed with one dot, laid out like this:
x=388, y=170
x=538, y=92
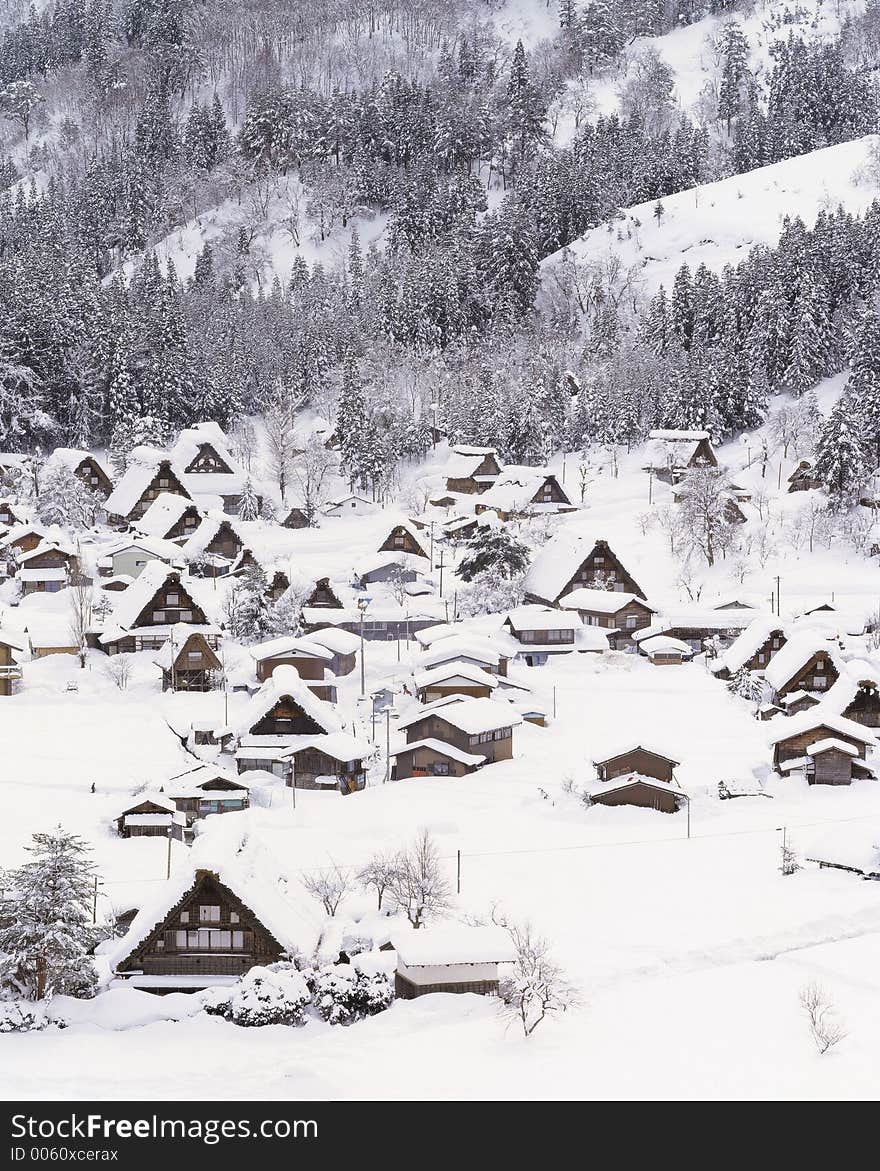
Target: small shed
x=663, y=651
x=453, y=958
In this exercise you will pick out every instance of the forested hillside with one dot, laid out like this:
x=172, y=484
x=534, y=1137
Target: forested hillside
x=217, y=210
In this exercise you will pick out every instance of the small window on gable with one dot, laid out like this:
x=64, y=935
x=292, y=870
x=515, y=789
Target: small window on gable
x=184, y=916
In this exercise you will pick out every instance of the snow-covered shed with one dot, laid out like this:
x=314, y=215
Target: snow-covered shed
x=670, y=454
x=451, y=958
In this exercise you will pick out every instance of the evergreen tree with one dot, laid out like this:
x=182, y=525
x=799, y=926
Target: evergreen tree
x=46, y=933
x=841, y=465
x=494, y=551
x=249, y=619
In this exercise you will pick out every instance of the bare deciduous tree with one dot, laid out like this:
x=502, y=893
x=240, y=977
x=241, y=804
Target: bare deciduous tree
x=80, y=589
x=537, y=987
x=825, y=1029
x=329, y=887
x=118, y=670
x=377, y=875
x=310, y=471
x=418, y=883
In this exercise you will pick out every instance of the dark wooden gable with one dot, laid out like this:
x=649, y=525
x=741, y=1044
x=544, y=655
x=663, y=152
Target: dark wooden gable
x=488, y=466
x=600, y=568
x=550, y=492
x=703, y=456
x=323, y=595
x=196, y=645
x=207, y=890
x=172, y=601
x=401, y=540
x=208, y=461
x=774, y=642
x=864, y=707
x=296, y=519
x=164, y=479
x=286, y=718
x=819, y=665
x=225, y=542
x=93, y=476
x=185, y=525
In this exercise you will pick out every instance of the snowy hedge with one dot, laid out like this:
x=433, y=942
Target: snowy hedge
x=265, y=996
x=342, y=995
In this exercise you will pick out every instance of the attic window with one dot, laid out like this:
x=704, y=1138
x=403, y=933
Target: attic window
x=184, y=916
x=233, y=917
x=172, y=599
x=209, y=914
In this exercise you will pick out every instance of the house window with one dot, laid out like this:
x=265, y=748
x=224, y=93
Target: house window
x=209, y=914
x=181, y=937
x=631, y=621
x=158, y=615
x=164, y=482
x=193, y=656
x=184, y=916
x=233, y=917
x=820, y=682
x=441, y=768
x=501, y=734
x=554, y=635
x=186, y=616
x=172, y=600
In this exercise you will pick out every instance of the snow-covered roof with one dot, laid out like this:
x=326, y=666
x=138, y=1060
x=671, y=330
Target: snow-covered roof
x=623, y=746
x=597, y=787
x=454, y=672
x=69, y=457
x=432, y=634
x=559, y=560
x=515, y=488
x=749, y=642
x=541, y=618
x=452, y=944
x=795, y=655
x=461, y=646
x=290, y=646
x=132, y=600
x=340, y=642
x=165, y=511
x=662, y=644
x=143, y=799
x=829, y=743
x=675, y=448
x=784, y=729
x=286, y=683
x=443, y=749
x=470, y=716
x=464, y=461
x=600, y=601
x=137, y=478
x=696, y=618
x=207, y=530
x=153, y=546
x=42, y=574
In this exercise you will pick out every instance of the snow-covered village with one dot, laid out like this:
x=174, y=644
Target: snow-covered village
x=439, y=550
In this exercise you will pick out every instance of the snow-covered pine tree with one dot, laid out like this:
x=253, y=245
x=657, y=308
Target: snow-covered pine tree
x=249, y=502
x=249, y=619
x=46, y=933
x=496, y=551
x=841, y=464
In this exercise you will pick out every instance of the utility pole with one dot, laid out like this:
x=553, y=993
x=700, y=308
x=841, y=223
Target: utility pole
x=431, y=554
x=168, y=866
x=650, y=485
x=458, y=872
x=362, y=608
x=778, y=608
x=293, y=782
x=387, y=745
x=95, y=902
x=440, y=567
x=554, y=701
x=689, y=818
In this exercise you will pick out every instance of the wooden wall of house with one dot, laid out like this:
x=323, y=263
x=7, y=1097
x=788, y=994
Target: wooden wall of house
x=208, y=461
x=641, y=795
x=305, y=667
x=423, y=762
x=94, y=477
x=865, y=708
x=405, y=990
x=602, y=563
x=164, y=480
x=439, y=691
x=185, y=526
x=174, y=604
x=286, y=717
x=225, y=543
x=832, y=767
x=638, y=760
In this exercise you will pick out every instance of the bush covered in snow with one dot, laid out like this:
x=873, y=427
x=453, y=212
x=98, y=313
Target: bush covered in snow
x=277, y=995
x=342, y=995
x=18, y=1017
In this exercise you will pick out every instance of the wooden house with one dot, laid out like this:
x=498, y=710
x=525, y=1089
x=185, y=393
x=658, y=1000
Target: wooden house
x=130, y=556
x=323, y=594
x=403, y=539
x=803, y=478
x=305, y=656
x=209, y=469
x=205, y=928
x=567, y=563
x=478, y=727
x=454, y=678
x=471, y=469
x=84, y=466
x=805, y=663
x=824, y=733
x=453, y=958
x=342, y=645
x=46, y=568
x=23, y=539
x=150, y=608
x=661, y=650
x=13, y=648
x=468, y=649
x=637, y=776
x=542, y=631
x=523, y=491
x=11, y=514
x=188, y=662
x=295, y=518
x=433, y=758
x=170, y=518
x=753, y=649
x=206, y=790
x=698, y=627
x=670, y=455
x=142, y=483
x=216, y=541
x=620, y=614
x=289, y=731
x=151, y=817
